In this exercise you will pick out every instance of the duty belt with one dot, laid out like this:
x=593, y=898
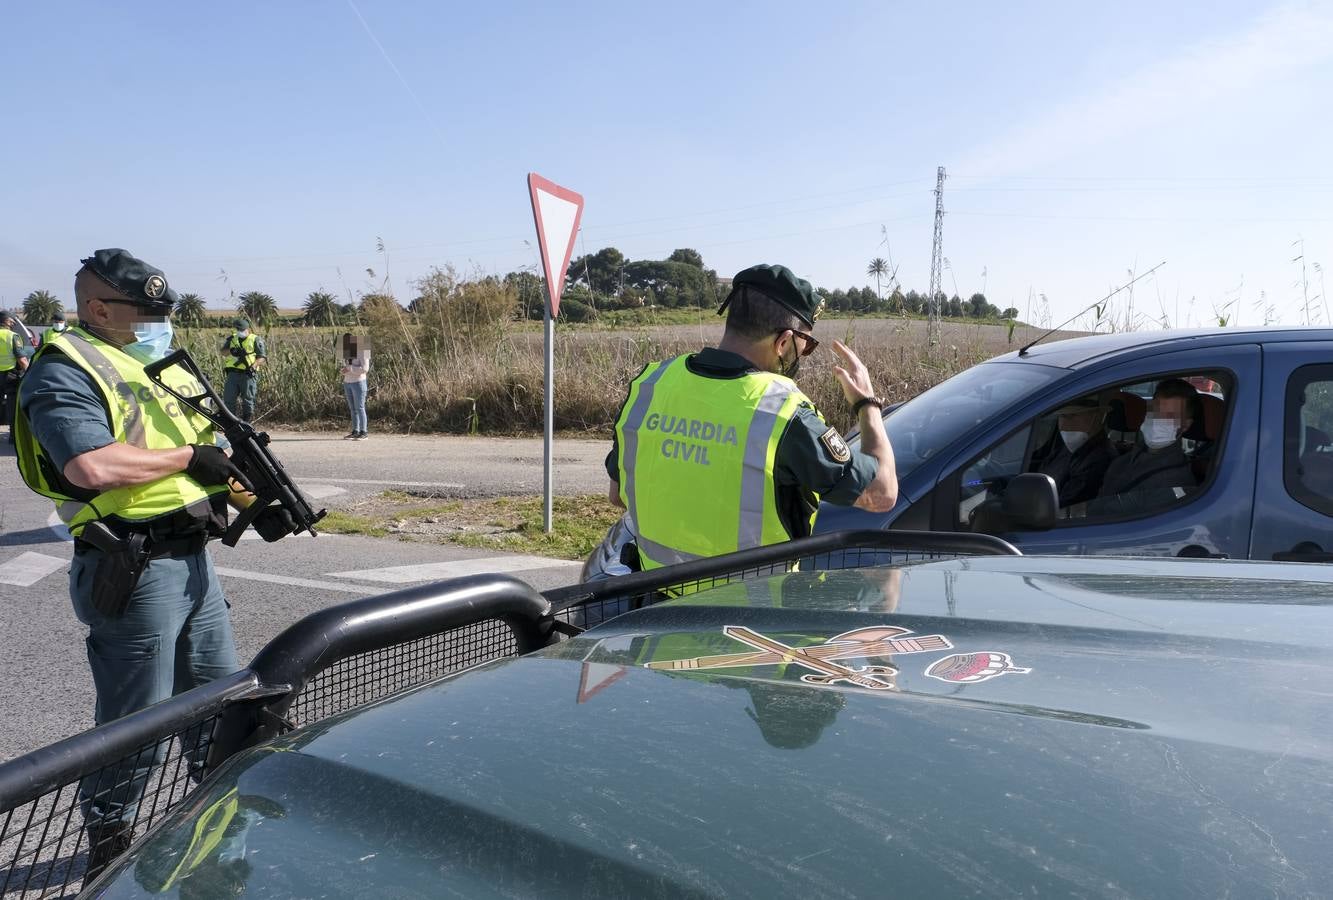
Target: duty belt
x=174, y=548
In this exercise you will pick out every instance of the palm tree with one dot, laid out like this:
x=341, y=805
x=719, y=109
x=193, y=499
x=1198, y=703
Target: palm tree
x=258, y=307
x=879, y=268
x=321, y=309
x=40, y=307
x=190, y=311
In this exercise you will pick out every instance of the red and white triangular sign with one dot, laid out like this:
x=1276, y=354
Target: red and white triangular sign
x=557, y=212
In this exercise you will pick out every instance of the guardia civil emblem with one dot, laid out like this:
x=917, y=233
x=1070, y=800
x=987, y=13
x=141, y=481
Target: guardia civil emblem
x=155, y=287
x=835, y=445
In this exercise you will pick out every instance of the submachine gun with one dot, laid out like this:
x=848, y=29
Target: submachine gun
x=249, y=450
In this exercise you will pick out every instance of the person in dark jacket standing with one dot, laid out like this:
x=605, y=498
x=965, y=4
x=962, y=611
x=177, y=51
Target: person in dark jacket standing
x=1081, y=454
x=1156, y=472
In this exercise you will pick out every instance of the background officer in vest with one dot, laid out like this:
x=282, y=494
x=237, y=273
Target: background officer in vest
x=243, y=357
x=131, y=470
x=12, y=365
x=720, y=451
x=58, y=326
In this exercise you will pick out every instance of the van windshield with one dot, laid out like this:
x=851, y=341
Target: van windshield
x=933, y=421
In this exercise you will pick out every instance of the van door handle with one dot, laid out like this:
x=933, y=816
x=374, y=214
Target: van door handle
x=1305, y=551
x=1194, y=551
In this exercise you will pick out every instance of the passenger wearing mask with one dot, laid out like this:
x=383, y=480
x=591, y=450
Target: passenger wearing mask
x=1156, y=471
x=1082, y=453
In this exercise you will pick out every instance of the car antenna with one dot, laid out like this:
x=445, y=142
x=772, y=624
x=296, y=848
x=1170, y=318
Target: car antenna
x=1026, y=347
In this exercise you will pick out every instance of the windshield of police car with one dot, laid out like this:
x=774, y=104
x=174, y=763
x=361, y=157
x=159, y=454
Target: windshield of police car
x=935, y=420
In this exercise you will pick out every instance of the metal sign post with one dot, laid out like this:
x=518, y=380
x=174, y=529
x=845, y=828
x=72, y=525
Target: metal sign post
x=557, y=212
x=548, y=419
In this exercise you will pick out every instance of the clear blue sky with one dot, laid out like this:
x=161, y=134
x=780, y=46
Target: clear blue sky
x=277, y=141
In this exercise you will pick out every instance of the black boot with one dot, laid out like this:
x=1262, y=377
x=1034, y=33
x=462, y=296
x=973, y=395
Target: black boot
x=104, y=846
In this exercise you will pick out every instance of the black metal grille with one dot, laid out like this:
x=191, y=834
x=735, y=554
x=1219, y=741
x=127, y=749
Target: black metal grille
x=377, y=673
x=45, y=846
x=138, y=768
x=586, y=606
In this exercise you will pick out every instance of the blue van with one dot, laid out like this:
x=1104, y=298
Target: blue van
x=1254, y=466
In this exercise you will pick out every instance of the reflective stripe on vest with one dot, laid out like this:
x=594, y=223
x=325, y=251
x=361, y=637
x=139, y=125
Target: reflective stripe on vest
x=697, y=457
x=246, y=344
x=209, y=830
x=141, y=414
x=7, y=358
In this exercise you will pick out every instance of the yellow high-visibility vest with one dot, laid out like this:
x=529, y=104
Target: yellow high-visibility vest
x=697, y=457
x=142, y=414
x=245, y=363
x=8, y=359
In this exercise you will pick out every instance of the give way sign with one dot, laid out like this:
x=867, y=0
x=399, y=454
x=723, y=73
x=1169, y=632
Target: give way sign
x=557, y=212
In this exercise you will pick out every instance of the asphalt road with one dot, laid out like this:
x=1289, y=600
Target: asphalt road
x=46, y=692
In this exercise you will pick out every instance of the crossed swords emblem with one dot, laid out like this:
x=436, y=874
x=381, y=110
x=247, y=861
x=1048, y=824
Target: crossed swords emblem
x=821, y=659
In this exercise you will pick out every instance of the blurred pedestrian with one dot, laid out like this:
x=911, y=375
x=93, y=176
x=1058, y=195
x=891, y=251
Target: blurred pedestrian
x=355, y=356
x=244, y=351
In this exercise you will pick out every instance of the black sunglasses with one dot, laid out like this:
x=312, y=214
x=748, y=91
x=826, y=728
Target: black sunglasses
x=810, y=342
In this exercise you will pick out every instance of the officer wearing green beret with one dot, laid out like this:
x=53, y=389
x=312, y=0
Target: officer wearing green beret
x=719, y=451
x=142, y=485
x=243, y=357
x=12, y=365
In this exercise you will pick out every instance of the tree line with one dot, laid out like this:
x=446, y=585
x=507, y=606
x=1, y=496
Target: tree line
x=596, y=282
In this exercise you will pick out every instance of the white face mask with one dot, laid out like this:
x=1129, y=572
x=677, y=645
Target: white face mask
x=1158, y=433
x=1074, y=439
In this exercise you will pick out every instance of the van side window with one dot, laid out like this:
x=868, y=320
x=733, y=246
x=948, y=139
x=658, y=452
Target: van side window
x=1122, y=452
x=1307, y=466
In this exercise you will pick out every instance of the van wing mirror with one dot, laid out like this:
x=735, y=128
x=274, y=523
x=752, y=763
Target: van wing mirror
x=1031, y=501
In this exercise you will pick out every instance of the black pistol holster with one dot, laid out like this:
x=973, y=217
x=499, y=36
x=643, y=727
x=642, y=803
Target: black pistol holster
x=122, y=563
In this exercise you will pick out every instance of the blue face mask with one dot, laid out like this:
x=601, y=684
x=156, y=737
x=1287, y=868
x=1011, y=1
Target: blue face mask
x=152, y=341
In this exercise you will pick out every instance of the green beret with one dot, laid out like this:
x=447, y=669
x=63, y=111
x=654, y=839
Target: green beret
x=241, y=324
x=142, y=284
x=779, y=284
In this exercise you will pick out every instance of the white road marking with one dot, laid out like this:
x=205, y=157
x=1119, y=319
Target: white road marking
x=58, y=527
x=28, y=568
x=456, y=569
x=425, y=484
x=294, y=582
x=321, y=491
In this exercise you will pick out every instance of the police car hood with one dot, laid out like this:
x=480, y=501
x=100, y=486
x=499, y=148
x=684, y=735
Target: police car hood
x=1004, y=726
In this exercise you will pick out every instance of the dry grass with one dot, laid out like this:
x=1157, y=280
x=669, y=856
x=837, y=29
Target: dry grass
x=494, y=384
x=497, y=523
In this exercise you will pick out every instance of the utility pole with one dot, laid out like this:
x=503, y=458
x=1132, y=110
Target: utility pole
x=936, y=262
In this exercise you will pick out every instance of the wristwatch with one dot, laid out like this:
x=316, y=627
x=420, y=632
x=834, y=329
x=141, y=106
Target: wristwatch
x=868, y=401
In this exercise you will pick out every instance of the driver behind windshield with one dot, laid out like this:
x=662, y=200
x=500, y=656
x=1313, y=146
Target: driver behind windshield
x=1156, y=470
x=1081, y=452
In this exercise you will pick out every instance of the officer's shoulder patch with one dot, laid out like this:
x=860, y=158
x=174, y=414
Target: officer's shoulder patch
x=835, y=445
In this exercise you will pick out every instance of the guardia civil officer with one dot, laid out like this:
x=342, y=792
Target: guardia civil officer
x=12, y=365
x=142, y=486
x=56, y=329
x=719, y=451
x=243, y=357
